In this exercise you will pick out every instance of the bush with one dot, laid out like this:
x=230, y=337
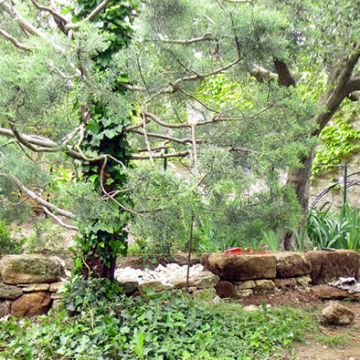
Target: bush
x=7, y=244
x=170, y=326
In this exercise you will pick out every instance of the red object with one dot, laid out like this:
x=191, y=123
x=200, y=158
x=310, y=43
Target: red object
x=239, y=250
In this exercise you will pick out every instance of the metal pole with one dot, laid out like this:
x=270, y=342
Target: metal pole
x=345, y=171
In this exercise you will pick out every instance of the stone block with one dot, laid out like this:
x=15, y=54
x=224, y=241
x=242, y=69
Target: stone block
x=330, y=265
x=337, y=314
x=241, y=267
x=241, y=285
x=30, y=269
x=4, y=308
x=291, y=264
x=264, y=285
x=36, y=287
x=37, y=303
x=304, y=281
x=56, y=286
x=8, y=292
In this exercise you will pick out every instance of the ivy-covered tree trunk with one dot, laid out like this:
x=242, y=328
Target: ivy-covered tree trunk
x=102, y=243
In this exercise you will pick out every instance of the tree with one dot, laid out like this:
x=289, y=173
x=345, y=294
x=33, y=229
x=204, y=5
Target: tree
x=182, y=88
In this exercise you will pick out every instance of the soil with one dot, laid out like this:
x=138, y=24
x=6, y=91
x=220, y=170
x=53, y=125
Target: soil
x=323, y=345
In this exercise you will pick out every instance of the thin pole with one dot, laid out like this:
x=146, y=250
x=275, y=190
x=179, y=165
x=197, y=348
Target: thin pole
x=345, y=172
x=189, y=251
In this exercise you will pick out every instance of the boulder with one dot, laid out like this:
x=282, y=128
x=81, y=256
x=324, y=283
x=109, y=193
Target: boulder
x=30, y=269
x=241, y=267
x=330, y=292
x=291, y=264
x=36, y=287
x=4, y=308
x=37, y=303
x=129, y=286
x=330, y=265
x=285, y=283
x=8, y=292
x=264, y=285
x=337, y=314
x=225, y=289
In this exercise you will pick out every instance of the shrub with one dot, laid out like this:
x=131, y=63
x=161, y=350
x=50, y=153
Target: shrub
x=7, y=244
x=168, y=326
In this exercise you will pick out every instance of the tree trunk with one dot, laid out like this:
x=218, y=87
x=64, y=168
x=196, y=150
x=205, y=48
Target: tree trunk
x=299, y=180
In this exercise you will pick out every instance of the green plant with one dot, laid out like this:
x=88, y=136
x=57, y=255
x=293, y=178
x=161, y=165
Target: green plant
x=7, y=244
x=168, y=326
x=336, y=230
x=271, y=241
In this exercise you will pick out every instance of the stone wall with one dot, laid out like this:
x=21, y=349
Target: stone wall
x=29, y=284
x=245, y=275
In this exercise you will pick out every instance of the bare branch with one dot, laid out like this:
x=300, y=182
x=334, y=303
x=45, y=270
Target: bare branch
x=38, y=198
x=58, y=220
x=205, y=37
x=165, y=137
x=180, y=154
x=50, y=10
x=14, y=41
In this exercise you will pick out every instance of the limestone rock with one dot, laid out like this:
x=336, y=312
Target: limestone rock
x=153, y=285
x=225, y=289
x=250, y=284
x=291, y=264
x=56, y=286
x=285, y=283
x=4, y=308
x=330, y=292
x=303, y=281
x=30, y=269
x=337, y=314
x=241, y=267
x=8, y=292
x=36, y=287
x=244, y=293
x=37, y=303
x=330, y=265
x=264, y=285
x=129, y=286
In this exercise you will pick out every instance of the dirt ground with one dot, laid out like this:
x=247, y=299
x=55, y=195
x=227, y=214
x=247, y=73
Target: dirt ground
x=331, y=343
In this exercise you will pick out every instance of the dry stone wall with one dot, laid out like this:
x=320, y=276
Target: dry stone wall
x=29, y=284
x=248, y=274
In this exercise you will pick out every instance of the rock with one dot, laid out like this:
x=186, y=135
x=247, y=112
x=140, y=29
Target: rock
x=129, y=287
x=244, y=293
x=205, y=280
x=264, y=285
x=250, y=284
x=36, y=287
x=285, y=283
x=291, y=264
x=37, y=303
x=153, y=286
x=57, y=286
x=4, y=308
x=225, y=289
x=8, y=292
x=241, y=267
x=29, y=269
x=56, y=296
x=330, y=265
x=56, y=305
x=337, y=314
x=330, y=292
x=303, y=281
x=216, y=300
x=251, y=308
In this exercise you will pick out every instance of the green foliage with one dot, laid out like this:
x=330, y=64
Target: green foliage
x=271, y=241
x=7, y=244
x=336, y=230
x=339, y=141
x=170, y=326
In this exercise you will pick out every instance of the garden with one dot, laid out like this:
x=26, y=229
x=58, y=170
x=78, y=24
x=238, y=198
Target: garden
x=179, y=179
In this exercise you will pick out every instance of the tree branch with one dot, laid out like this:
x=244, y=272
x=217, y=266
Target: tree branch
x=50, y=10
x=14, y=41
x=180, y=154
x=285, y=78
x=38, y=198
x=205, y=37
